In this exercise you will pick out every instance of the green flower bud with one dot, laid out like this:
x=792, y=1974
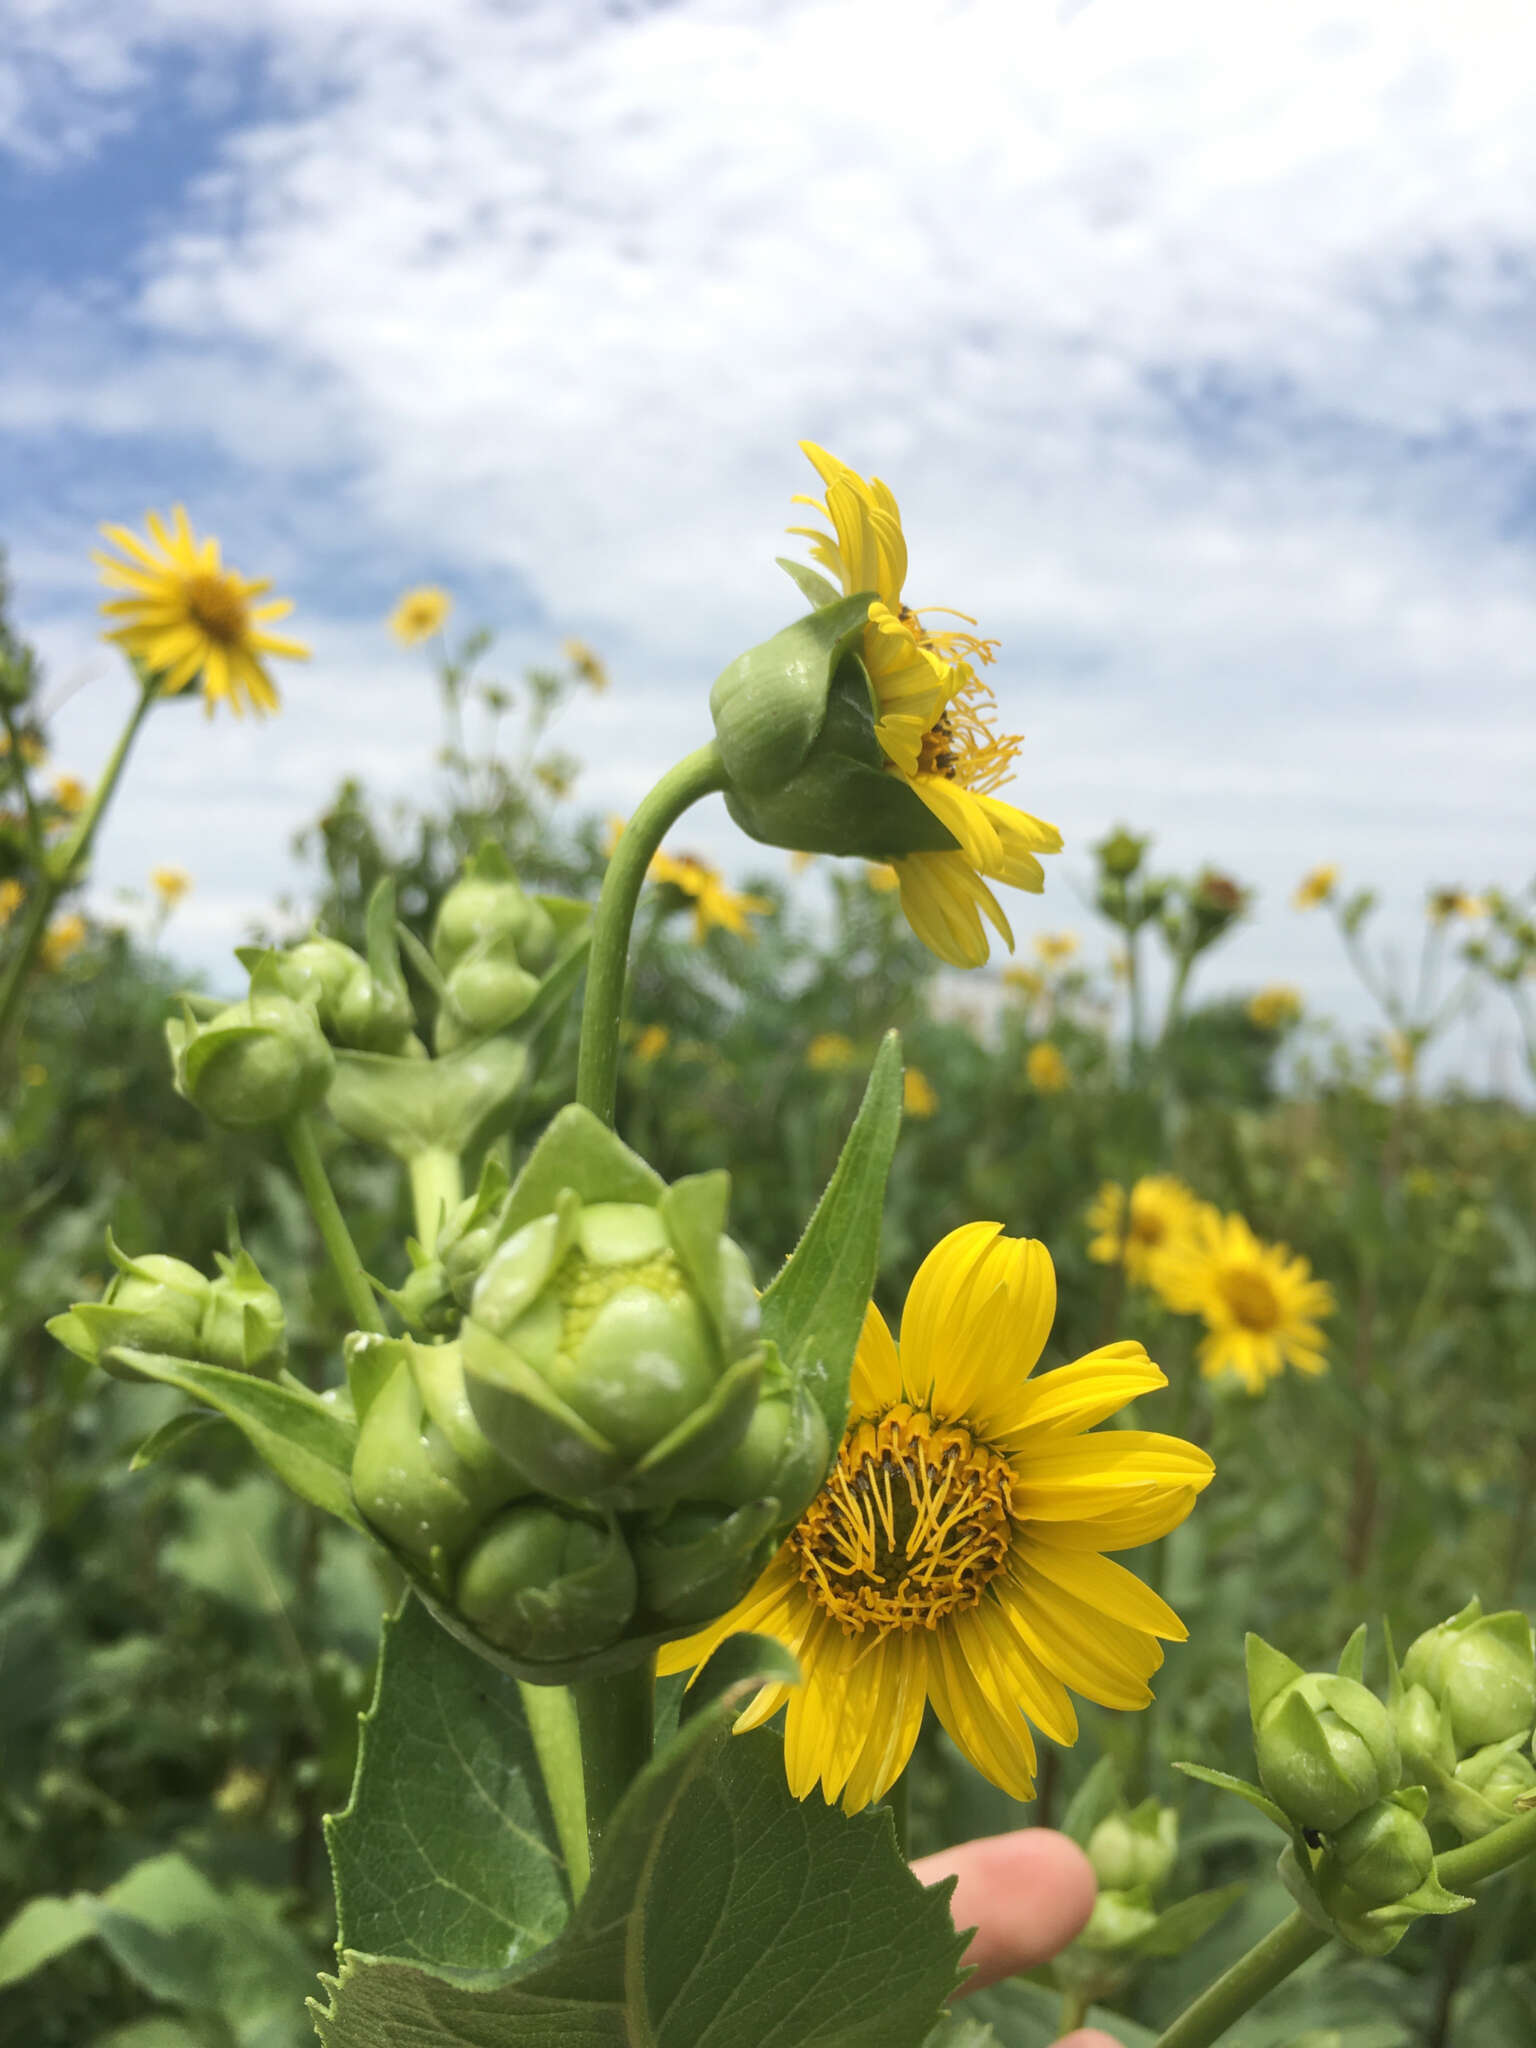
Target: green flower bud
x=487, y=990
x=785, y=1453
x=356, y=1008
x=1325, y=1746
x=423, y=1475
x=1501, y=1772
x=489, y=904
x=243, y=1326
x=1376, y=1859
x=611, y=1349
x=254, y=1063
x=471, y=1232
x=547, y=1583
x=1117, y=1922
x=1482, y=1669
x=1423, y=1736
x=1135, y=1848
x=153, y=1303
x=1121, y=853
x=701, y=1559
x=426, y=1302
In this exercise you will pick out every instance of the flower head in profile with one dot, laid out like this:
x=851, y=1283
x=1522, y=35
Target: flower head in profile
x=1054, y=949
x=1315, y=887
x=70, y=794
x=1260, y=1303
x=188, y=616
x=1045, y=1069
x=1161, y=1211
x=1275, y=1008
x=919, y=1097
x=957, y=1552
x=419, y=614
x=704, y=887
x=933, y=723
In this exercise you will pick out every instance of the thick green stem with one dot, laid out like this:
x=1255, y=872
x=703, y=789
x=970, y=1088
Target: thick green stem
x=1270, y=1961
x=699, y=774
x=437, y=1188
x=299, y=1133
x=59, y=870
x=617, y=1715
x=550, y=1713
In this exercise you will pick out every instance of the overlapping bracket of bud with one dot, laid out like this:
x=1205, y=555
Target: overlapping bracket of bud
x=155, y=1303
x=1358, y=1783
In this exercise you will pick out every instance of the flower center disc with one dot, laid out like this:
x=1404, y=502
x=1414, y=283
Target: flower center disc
x=1251, y=1299
x=217, y=606
x=911, y=1525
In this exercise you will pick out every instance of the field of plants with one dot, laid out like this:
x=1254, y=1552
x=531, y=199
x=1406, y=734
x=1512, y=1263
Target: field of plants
x=1333, y=1264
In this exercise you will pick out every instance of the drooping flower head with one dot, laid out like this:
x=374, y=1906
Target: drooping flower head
x=956, y=1552
x=1161, y=1210
x=1260, y=1303
x=419, y=614
x=934, y=724
x=189, y=616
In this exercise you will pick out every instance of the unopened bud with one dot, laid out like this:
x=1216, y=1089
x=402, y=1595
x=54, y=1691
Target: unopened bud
x=1376, y=1859
x=489, y=904
x=701, y=1559
x=1135, y=1848
x=1117, y=1922
x=1482, y=1669
x=254, y=1063
x=1325, y=1745
x=1502, y=1772
x=548, y=1583
x=243, y=1327
x=1423, y=1736
x=154, y=1303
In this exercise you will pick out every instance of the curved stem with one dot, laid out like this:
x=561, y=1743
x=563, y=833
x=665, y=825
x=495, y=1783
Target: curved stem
x=698, y=774
x=1270, y=1961
x=299, y=1134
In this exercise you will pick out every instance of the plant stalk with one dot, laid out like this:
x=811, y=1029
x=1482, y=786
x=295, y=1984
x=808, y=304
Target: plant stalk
x=616, y=1715
x=437, y=1188
x=697, y=775
x=299, y=1134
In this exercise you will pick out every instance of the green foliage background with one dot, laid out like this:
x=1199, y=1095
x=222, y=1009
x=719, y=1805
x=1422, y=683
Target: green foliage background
x=184, y=1648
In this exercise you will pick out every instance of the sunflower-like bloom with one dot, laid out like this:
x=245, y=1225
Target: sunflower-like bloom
x=189, y=616
x=957, y=1550
x=713, y=903
x=933, y=725
x=1162, y=1210
x=1275, y=1008
x=1316, y=886
x=419, y=614
x=1045, y=1069
x=1260, y=1303
x=62, y=940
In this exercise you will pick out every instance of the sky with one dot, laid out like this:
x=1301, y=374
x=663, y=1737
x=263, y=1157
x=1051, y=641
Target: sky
x=1194, y=340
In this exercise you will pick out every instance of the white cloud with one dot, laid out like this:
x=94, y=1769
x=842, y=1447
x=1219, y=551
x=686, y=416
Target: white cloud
x=1194, y=339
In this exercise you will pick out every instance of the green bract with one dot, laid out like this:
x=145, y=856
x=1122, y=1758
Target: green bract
x=795, y=723
x=544, y=1581
x=1381, y=1856
x=361, y=1004
x=252, y=1063
x=1482, y=1670
x=1325, y=1745
x=611, y=1348
x=160, y=1304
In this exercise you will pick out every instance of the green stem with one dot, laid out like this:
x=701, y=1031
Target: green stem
x=60, y=870
x=437, y=1188
x=299, y=1134
x=617, y=1715
x=551, y=1716
x=699, y=774
x=1074, y=2010
x=1270, y=1961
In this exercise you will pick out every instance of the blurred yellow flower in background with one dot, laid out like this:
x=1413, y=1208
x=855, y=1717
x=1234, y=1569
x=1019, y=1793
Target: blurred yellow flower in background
x=1024, y=981
x=1052, y=949
x=189, y=616
x=933, y=725
x=829, y=1052
x=31, y=750
x=1444, y=904
x=420, y=614
x=919, y=1097
x=1046, y=1070
x=1162, y=1210
x=1259, y=1301
x=62, y=941
x=651, y=1043
x=1273, y=1008
x=12, y=896
x=1316, y=886
x=170, y=885
x=957, y=1550
x=70, y=794
x=587, y=664
x=713, y=903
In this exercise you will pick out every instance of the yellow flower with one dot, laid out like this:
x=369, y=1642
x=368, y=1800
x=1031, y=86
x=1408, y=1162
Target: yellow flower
x=713, y=902
x=62, y=941
x=12, y=896
x=1445, y=904
x=919, y=1097
x=31, y=750
x=829, y=1052
x=587, y=664
x=1025, y=981
x=651, y=1043
x=957, y=1550
x=933, y=725
x=881, y=877
x=1162, y=1210
x=1275, y=1008
x=1260, y=1303
x=1317, y=886
x=170, y=885
x=420, y=614
x=191, y=617
x=1053, y=948
x=1046, y=1070
x=70, y=794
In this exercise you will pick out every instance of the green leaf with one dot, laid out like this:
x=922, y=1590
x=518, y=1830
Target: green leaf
x=821, y=1937
x=815, y=1307
x=44, y=1928
x=413, y=1106
x=960, y=2030
x=1182, y=1925
x=770, y=703
x=170, y=1436
x=810, y=583
x=304, y=1440
x=1094, y=1800
x=1225, y=1782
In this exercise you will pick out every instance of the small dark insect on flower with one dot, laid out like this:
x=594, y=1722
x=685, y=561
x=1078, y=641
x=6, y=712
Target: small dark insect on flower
x=1312, y=1838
